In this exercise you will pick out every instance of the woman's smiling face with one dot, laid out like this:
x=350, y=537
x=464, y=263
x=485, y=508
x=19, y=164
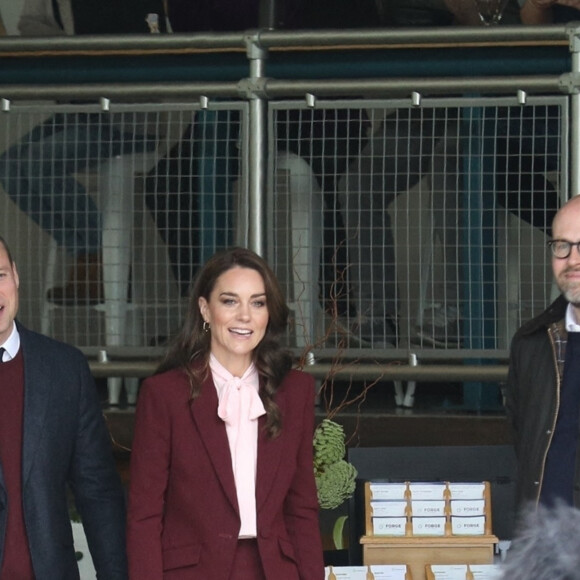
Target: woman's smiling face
x=237, y=313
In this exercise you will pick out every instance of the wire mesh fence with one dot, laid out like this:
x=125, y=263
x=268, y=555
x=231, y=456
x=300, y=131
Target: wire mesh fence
x=110, y=213
x=391, y=226
x=424, y=226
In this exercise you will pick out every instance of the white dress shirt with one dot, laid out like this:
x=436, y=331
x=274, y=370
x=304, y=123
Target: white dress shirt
x=12, y=345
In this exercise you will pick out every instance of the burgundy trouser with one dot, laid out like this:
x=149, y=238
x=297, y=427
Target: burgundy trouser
x=247, y=564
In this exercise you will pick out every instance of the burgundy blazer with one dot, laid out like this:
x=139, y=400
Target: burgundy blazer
x=183, y=518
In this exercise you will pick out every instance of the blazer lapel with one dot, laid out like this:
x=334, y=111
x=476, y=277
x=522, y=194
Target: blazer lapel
x=270, y=453
x=37, y=387
x=212, y=432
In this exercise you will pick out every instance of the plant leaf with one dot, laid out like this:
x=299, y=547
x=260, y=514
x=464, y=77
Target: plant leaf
x=337, y=532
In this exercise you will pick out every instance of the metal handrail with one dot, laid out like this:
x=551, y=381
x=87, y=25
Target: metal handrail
x=388, y=38
x=354, y=371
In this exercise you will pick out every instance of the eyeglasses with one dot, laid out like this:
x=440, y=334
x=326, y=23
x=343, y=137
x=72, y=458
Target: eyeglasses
x=562, y=249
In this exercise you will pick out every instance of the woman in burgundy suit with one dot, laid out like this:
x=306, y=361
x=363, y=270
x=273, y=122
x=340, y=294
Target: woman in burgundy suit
x=222, y=481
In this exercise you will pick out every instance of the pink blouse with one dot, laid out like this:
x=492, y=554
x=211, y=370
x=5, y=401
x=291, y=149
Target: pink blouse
x=239, y=407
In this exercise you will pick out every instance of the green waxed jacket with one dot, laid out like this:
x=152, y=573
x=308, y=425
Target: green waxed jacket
x=533, y=396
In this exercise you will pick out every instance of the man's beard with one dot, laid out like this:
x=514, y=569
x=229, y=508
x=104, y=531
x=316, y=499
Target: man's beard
x=570, y=290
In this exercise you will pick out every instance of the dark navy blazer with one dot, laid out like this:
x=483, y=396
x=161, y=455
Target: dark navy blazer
x=65, y=441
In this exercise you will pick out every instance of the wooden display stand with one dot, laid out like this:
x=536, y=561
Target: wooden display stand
x=419, y=551
x=339, y=572
x=469, y=575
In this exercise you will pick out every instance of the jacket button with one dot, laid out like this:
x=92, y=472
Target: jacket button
x=536, y=483
x=549, y=432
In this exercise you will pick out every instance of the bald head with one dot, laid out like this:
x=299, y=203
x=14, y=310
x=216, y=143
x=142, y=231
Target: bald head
x=570, y=210
x=566, y=228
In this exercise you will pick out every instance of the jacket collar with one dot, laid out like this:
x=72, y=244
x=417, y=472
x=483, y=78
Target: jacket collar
x=213, y=434
x=553, y=314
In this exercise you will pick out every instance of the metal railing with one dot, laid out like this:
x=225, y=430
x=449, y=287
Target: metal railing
x=309, y=129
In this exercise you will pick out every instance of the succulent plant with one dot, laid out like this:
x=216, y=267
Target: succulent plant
x=335, y=477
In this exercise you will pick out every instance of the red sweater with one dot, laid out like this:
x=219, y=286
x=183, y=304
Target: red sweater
x=16, y=563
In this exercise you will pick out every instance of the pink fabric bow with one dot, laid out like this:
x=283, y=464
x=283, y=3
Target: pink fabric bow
x=239, y=400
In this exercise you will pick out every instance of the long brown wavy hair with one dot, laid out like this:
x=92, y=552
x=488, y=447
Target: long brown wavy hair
x=190, y=349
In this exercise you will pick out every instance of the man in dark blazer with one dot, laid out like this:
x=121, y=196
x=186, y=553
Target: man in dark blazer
x=52, y=438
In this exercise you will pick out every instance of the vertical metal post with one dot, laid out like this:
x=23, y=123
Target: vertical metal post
x=478, y=255
x=257, y=148
x=268, y=14
x=575, y=116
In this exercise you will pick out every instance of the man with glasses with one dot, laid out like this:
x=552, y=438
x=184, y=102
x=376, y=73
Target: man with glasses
x=543, y=389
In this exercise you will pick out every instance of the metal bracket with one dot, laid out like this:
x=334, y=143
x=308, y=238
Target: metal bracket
x=253, y=88
x=570, y=83
x=573, y=38
x=254, y=48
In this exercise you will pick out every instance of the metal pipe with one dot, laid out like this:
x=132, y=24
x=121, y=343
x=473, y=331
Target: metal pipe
x=138, y=44
x=355, y=371
x=274, y=88
x=406, y=372
x=268, y=14
x=403, y=87
x=426, y=37
x=574, y=126
x=257, y=148
x=188, y=92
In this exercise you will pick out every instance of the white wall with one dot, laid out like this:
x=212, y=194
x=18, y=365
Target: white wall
x=10, y=11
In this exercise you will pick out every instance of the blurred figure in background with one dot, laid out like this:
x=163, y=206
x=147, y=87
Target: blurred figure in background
x=528, y=146
x=190, y=191
x=549, y=11
x=38, y=173
x=405, y=147
x=201, y=169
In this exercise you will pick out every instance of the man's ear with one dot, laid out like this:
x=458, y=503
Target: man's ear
x=16, y=276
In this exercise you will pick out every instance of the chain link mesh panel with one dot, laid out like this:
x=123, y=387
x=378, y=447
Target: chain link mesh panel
x=109, y=214
x=425, y=225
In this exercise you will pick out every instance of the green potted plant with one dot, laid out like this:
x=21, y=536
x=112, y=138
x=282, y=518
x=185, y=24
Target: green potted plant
x=335, y=477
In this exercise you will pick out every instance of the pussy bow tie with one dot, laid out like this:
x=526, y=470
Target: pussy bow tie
x=238, y=400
